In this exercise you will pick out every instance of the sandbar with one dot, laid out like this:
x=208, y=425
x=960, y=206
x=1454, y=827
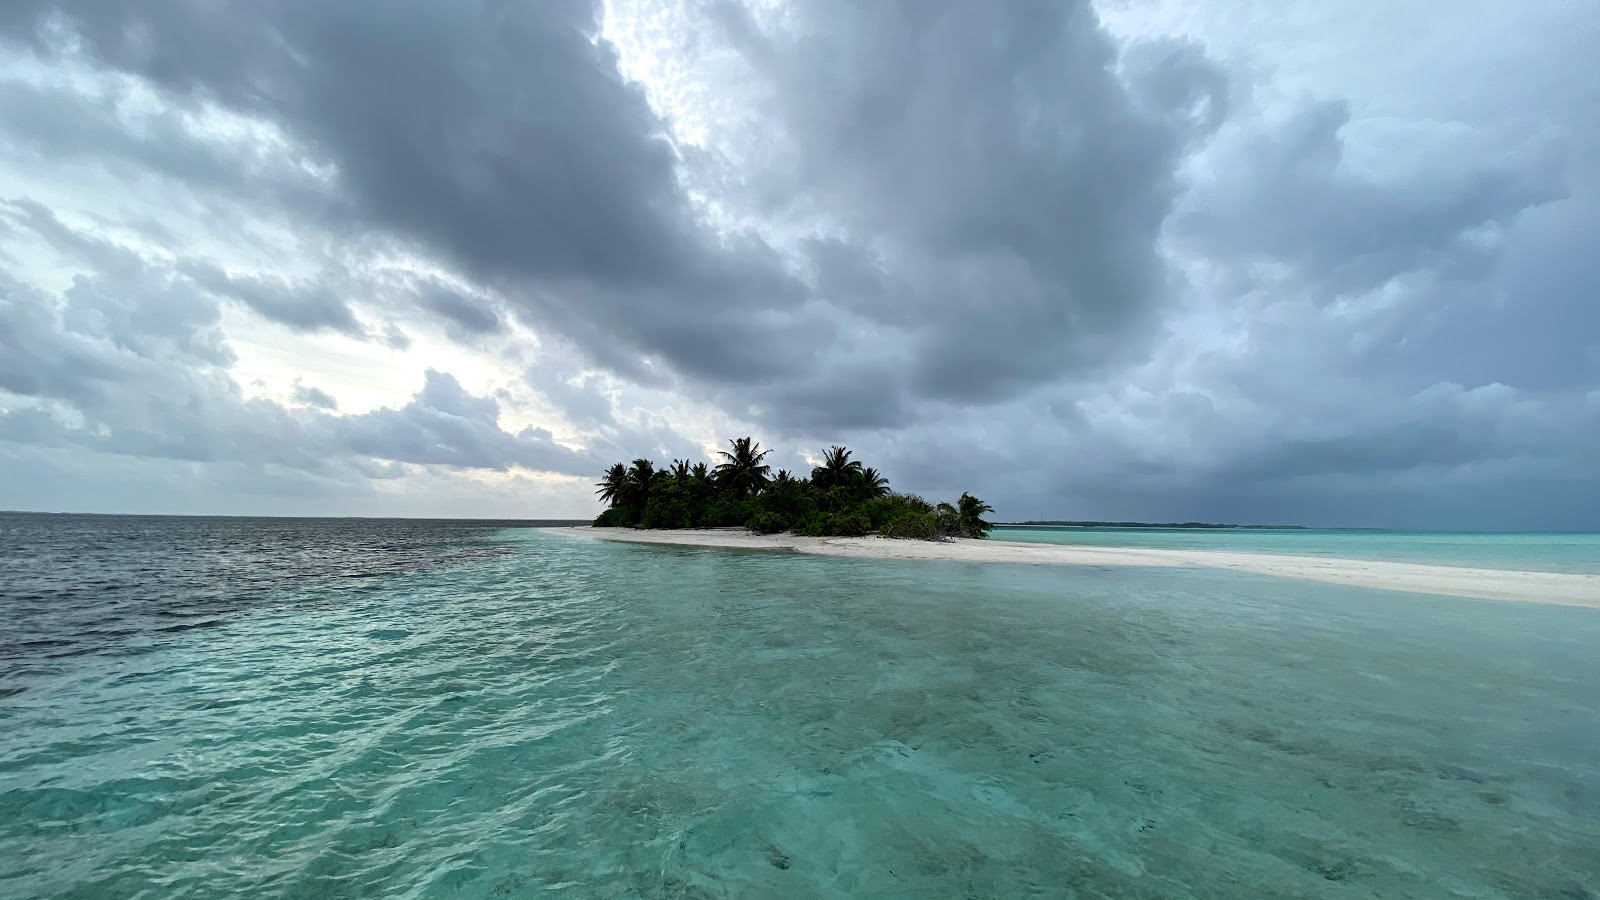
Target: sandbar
x=1560, y=588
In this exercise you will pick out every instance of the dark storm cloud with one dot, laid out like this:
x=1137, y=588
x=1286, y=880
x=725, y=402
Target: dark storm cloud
x=1289, y=196
x=301, y=307
x=1351, y=454
x=1535, y=324
x=581, y=400
x=445, y=425
x=1016, y=183
x=1441, y=429
x=130, y=361
x=111, y=126
x=159, y=296
x=1004, y=167
x=110, y=328
x=469, y=315
x=130, y=365
x=499, y=136
x=306, y=395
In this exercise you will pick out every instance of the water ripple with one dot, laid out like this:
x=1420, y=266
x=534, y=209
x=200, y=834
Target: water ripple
x=612, y=721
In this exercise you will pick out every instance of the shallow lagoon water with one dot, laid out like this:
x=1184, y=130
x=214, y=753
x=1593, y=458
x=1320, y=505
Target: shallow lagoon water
x=1532, y=551
x=609, y=720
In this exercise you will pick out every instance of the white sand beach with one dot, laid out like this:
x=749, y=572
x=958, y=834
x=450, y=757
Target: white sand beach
x=1489, y=584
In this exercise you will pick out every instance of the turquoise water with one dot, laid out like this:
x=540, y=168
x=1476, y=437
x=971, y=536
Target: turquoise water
x=582, y=719
x=1521, y=551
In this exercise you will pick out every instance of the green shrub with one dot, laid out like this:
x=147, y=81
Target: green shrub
x=836, y=500
x=849, y=524
x=881, y=511
x=615, y=517
x=766, y=522
x=915, y=526
x=793, y=501
x=726, y=511
x=665, y=511
x=840, y=524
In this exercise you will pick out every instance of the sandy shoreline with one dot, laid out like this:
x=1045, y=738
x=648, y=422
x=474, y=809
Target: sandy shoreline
x=1488, y=584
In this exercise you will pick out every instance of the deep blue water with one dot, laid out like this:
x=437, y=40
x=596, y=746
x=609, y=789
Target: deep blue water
x=210, y=708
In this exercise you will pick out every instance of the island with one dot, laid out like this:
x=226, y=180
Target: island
x=844, y=508
x=840, y=498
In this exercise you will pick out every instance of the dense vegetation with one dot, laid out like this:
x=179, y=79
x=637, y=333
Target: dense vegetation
x=841, y=497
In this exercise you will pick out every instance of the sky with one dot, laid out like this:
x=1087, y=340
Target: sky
x=1240, y=261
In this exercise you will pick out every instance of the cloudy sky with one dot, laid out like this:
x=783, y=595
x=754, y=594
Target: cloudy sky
x=1245, y=260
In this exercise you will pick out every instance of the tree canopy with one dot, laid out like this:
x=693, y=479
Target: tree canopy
x=841, y=497
x=742, y=470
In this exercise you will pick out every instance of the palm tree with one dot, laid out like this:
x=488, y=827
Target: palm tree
x=700, y=472
x=641, y=475
x=971, y=510
x=873, y=483
x=680, y=468
x=837, y=469
x=742, y=470
x=613, y=485
x=783, y=477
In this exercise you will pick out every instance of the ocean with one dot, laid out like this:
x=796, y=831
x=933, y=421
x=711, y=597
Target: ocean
x=197, y=708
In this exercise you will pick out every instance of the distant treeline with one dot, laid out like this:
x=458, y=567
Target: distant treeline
x=1157, y=525
x=839, y=497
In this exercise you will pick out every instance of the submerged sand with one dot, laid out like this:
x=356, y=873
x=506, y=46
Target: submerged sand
x=1566, y=589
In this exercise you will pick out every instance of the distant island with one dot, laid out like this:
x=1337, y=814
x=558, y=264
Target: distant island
x=840, y=497
x=1197, y=525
